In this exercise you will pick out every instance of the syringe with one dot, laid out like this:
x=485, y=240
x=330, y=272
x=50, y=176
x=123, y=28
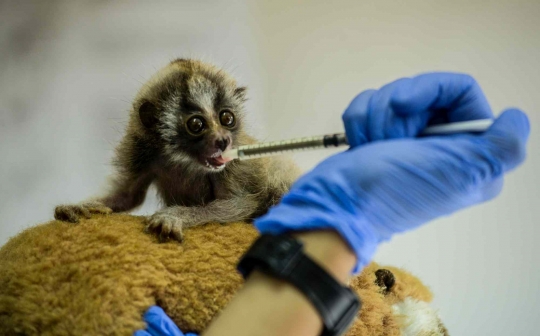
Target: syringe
x=336, y=140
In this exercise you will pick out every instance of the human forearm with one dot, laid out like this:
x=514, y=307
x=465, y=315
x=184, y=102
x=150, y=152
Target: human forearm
x=268, y=306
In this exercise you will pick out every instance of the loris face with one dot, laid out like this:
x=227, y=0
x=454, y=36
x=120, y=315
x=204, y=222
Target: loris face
x=195, y=109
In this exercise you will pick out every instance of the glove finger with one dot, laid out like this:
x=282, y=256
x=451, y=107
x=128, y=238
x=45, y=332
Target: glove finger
x=479, y=162
x=355, y=119
x=405, y=107
x=141, y=333
x=428, y=99
x=507, y=138
x=384, y=123
x=159, y=324
x=457, y=96
x=369, y=117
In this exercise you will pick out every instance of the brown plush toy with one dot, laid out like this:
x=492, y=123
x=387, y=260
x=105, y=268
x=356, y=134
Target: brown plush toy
x=100, y=276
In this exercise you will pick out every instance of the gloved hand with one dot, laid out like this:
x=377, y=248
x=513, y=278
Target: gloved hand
x=159, y=324
x=379, y=188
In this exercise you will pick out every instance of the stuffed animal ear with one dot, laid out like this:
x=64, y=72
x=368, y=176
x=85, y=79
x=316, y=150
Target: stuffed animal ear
x=385, y=279
x=148, y=114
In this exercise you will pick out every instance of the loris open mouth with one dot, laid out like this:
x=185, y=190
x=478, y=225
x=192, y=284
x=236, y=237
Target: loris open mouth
x=216, y=161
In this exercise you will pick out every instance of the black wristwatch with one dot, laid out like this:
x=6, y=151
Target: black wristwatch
x=281, y=256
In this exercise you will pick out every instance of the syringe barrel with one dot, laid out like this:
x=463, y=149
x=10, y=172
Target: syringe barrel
x=278, y=147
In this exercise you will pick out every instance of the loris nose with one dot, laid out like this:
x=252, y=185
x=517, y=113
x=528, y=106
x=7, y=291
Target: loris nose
x=222, y=143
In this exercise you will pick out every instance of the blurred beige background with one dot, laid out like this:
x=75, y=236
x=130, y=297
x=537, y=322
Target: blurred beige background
x=69, y=69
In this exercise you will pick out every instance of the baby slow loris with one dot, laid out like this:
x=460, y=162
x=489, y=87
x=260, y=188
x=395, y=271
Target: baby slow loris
x=181, y=122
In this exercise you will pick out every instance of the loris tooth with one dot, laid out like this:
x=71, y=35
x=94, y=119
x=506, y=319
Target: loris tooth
x=216, y=154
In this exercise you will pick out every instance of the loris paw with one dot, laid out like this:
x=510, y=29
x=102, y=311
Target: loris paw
x=165, y=225
x=73, y=213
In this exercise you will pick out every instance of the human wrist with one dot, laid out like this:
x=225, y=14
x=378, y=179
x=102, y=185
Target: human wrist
x=307, y=270
x=328, y=249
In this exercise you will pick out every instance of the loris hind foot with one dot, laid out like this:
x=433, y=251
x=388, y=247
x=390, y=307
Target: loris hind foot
x=74, y=212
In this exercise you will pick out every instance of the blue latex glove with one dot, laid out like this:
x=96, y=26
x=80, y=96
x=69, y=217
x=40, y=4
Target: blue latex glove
x=159, y=324
x=380, y=188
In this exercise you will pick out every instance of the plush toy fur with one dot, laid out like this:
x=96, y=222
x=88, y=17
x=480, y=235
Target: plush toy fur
x=100, y=276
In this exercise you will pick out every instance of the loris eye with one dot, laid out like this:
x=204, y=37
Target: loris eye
x=195, y=125
x=226, y=118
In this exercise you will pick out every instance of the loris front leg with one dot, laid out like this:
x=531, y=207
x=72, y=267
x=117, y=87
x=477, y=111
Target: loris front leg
x=275, y=175
x=170, y=222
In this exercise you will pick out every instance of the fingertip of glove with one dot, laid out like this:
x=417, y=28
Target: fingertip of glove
x=518, y=120
x=358, y=106
x=356, y=117
x=154, y=310
x=509, y=134
x=412, y=95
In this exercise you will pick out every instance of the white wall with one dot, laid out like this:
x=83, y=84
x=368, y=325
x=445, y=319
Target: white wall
x=68, y=71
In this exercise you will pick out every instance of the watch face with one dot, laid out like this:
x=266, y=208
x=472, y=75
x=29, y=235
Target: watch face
x=271, y=254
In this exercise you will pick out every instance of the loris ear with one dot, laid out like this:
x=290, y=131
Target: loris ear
x=240, y=93
x=148, y=114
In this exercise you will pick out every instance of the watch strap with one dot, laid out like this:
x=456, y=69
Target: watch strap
x=282, y=256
